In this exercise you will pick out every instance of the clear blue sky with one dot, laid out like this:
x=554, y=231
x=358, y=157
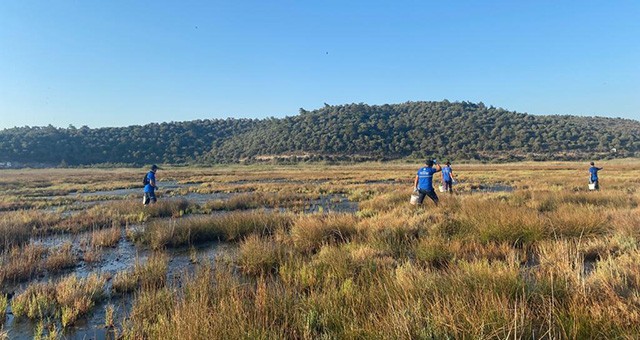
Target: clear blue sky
x=117, y=63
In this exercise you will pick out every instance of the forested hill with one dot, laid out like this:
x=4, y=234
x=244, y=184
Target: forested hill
x=459, y=130
x=175, y=142
x=442, y=129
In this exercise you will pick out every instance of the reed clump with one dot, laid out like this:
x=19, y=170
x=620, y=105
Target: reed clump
x=4, y=303
x=17, y=226
x=150, y=314
x=60, y=258
x=230, y=227
x=21, y=263
x=434, y=252
x=76, y=296
x=151, y=274
x=259, y=255
x=38, y=301
x=124, y=282
x=106, y=237
x=97, y=217
x=173, y=208
x=92, y=255
x=309, y=233
x=284, y=198
x=69, y=299
x=578, y=222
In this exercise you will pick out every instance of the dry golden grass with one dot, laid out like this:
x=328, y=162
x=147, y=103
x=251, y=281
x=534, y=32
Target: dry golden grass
x=106, y=237
x=151, y=310
x=149, y=275
x=76, y=296
x=124, y=282
x=17, y=226
x=21, y=263
x=558, y=262
x=109, y=315
x=259, y=255
x=4, y=303
x=60, y=258
x=546, y=260
x=38, y=301
x=92, y=255
x=68, y=299
x=309, y=233
x=230, y=227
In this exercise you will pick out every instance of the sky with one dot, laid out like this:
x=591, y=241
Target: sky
x=119, y=63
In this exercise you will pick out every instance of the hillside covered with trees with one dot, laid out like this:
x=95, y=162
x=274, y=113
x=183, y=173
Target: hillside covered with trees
x=459, y=130
x=175, y=142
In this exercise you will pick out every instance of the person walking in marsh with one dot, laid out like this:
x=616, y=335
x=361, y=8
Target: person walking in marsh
x=447, y=177
x=593, y=179
x=150, y=186
x=424, y=181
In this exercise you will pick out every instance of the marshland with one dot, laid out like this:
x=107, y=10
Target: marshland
x=519, y=250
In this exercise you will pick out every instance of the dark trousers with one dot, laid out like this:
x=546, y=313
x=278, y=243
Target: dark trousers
x=430, y=193
x=149, y=197
x=596, y=183
x=448, y=186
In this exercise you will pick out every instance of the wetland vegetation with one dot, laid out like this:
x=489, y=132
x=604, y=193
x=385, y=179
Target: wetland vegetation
x=321, y=251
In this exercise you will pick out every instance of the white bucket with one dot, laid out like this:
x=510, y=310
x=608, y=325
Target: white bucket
x=414, y=198
x=592, y=186
x=441, y=188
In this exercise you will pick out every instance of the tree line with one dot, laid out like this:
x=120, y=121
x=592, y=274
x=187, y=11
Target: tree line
x=454, y=130
x=460, y=130
x=174, y=142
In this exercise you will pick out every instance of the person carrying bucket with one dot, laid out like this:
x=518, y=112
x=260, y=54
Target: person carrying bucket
x=593, y=179
x=447, y=177
x=423, y=183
